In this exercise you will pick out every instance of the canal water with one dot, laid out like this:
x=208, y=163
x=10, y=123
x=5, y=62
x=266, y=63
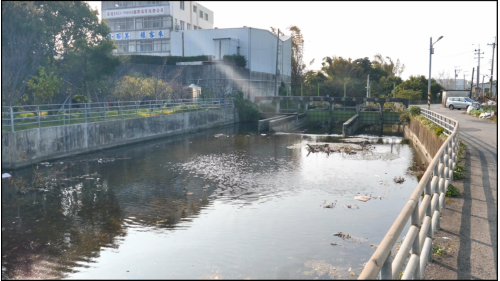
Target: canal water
x=223, y=203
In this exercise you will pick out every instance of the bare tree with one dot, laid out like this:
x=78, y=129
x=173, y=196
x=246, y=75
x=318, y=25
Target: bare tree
x=444, y=79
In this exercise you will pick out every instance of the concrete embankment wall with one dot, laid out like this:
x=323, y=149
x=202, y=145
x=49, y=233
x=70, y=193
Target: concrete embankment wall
x=264, y=124
x=423, y=139
x=287, y=123
x=19, y=148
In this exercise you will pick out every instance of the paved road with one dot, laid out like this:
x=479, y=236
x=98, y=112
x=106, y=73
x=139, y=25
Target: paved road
x=470, y=221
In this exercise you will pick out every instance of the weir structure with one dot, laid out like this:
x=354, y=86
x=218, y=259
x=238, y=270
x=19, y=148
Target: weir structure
x=423, y=212
x=353, y=117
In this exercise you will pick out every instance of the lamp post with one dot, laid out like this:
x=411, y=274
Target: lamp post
x=431, y=51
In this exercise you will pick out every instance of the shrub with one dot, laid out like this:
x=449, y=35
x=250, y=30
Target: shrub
x=438, y=131
x=414, y=110
x=459, y=172
x=246, y=109
x=168, y=60
x=237, y=60
x=404, y=118
x=452, y=191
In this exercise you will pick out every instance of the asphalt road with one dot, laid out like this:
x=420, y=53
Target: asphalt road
x=469, y=223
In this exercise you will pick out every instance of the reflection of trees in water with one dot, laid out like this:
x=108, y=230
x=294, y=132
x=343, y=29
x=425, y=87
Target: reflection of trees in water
x=55, y=230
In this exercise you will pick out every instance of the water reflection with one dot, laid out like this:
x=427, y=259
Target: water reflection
x=227, y=202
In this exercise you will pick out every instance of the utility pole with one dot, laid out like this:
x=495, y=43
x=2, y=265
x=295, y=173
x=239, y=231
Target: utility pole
x=368, y=87
x=478, y=50
x=471, y=83
x=456, y=70
x=276, y=77
x=465, y=82
x=492, y=64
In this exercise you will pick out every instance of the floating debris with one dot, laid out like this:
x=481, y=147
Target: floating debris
x=342, y=235
x=6, y=176
x=352, y=206
x=327, y=205
x=399, y=179
x=362, y=198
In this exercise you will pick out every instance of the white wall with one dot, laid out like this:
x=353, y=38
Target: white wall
x=188, y=16
x=257, y=45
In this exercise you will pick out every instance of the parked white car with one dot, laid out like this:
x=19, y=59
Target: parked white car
x=460, y=102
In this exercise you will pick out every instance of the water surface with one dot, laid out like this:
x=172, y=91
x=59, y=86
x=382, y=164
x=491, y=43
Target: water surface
x=221, y=203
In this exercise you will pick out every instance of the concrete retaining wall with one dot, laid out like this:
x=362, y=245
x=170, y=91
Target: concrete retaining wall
x=287, y=123
x=19, y=148
x=424, y=139
x=264, y=124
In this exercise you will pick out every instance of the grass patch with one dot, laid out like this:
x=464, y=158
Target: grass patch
x=437, y=250
x=459, y=170
x=452, y=191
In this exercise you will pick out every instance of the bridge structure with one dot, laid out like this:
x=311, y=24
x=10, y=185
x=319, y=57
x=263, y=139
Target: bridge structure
x=353, y=117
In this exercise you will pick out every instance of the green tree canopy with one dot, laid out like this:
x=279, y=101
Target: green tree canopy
x=65, y=36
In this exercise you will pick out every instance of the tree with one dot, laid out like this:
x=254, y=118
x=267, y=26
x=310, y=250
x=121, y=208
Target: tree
x=22, y=48
x=298, y=67
x=420, y=83
x=62, y=35
x=444, y=79
x=412, y=95
x=42, y=87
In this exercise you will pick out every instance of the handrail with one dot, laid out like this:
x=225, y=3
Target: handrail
x=66, y=114
x=424, y=214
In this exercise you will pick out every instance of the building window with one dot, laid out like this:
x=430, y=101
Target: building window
x=144, y=46
x=122, y=47
x=141, y=3
x=195, y=27
x=201, y=14
x=165, y=46
x=188, y=26
x=182, y=25
x=194, y=9
x=206, y=16
x=121, y=24
x=153, y=22
x=182, y=5
x=153, y=46
x=117, y=4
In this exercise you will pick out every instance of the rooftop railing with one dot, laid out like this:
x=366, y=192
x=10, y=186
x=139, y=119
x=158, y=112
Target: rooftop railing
x=422, y=211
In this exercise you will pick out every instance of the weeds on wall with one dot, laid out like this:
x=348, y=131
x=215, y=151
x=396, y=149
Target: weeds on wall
x=246, y=109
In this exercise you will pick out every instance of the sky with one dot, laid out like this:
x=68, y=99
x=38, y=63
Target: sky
x=400, y=30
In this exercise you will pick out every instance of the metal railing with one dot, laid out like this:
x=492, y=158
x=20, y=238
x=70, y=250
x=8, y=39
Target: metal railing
x=37, y=116
x=423, y=212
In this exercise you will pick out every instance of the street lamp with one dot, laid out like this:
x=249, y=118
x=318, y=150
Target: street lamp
x=431, y=51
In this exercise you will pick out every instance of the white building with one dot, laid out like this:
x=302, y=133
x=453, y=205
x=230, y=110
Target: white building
x=144, y=27
x=257, y=45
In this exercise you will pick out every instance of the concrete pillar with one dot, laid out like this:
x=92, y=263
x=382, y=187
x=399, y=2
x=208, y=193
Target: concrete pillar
x=358, y=108
x=306, y=106
x=277, y=103
x=331, y=112
x=298, y=106
x=381, y=116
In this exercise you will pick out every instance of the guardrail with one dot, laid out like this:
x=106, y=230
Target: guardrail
x=424, y=213
x=37, y=116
